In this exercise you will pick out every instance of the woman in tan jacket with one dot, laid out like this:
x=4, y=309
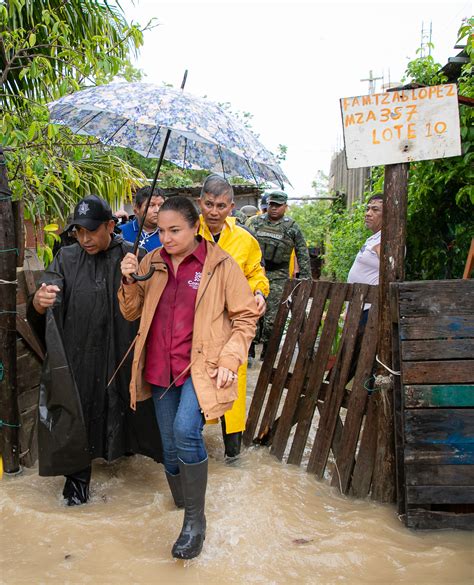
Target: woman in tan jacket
x=198, y=317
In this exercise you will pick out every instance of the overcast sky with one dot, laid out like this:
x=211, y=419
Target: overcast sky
x=288, y=63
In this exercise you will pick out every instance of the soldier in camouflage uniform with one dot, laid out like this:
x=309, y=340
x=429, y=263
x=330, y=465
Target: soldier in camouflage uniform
x=278, y=235
x=240, y=217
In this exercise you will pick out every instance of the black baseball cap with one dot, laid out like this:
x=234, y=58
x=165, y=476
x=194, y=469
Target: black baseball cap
x=90, y=212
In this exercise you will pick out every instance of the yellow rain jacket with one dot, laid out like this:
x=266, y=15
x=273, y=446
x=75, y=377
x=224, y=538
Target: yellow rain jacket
x=245, y=250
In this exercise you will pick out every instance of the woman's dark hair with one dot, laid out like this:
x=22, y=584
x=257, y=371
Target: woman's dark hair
x=184, y=206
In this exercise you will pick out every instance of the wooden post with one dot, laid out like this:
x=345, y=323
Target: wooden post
x=392, y=260
x=8, y=391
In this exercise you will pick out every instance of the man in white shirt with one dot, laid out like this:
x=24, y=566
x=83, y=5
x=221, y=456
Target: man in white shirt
x=367, y=265
x=367, y=262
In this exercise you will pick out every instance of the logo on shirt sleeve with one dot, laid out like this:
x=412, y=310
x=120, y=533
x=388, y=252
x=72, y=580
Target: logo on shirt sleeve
x=194, y=284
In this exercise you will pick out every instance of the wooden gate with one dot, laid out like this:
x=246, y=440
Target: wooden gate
x=29, y=361
x=434, y=402
x=312, y=401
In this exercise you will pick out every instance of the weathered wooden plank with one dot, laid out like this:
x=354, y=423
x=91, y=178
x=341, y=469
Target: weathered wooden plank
x=27, y=279
x=298, y=312
x=441, y=372
x=436, y=297
x=29, y=371
x=439, y=426
x=261, y=387
x=392, y=264
x=316, y=373
x=335, y=391
x=438, y=349
x=439, y=454
x=319, y=295
x=27, y=437
x=364, y=465
x=24, y=329
x=443, y=395
x=427, y=520
x=372, y=292
x=440, y=494
x=28, y=399
x=18, y=209
x=469, y=267
x=435, y=327
x=424, y=474
x=357, y=401
x=397, y=404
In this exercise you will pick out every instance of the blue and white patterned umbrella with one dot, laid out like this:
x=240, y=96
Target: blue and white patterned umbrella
x=138, y=115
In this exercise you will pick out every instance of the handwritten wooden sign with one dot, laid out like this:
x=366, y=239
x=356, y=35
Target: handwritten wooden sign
x=401, y=126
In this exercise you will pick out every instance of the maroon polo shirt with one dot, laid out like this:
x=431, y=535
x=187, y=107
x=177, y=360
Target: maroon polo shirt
x=169, y=340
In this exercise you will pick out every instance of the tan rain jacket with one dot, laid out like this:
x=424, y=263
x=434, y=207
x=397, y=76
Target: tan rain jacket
x=224, y=325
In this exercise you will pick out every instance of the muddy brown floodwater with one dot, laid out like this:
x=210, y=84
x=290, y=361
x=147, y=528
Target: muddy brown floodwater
x=267, y=523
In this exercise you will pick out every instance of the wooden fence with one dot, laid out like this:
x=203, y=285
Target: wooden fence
x=433, y=347
x=312, y=401
x=29, y=362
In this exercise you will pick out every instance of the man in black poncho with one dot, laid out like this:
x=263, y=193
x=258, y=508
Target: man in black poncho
x=76, y=312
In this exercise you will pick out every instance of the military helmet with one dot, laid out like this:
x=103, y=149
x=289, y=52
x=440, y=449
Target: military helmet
x=249, y=210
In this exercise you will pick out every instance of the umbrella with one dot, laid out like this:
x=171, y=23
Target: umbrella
x=156, y=121
x=138, y=115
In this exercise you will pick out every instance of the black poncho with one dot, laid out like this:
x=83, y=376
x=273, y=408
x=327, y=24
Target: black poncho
x=86, y=337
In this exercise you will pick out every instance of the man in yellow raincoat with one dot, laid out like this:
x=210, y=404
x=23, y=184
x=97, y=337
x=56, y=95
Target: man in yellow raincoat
x=217, y=225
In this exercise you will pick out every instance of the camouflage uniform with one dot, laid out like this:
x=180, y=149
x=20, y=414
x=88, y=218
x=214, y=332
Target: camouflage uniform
x=240, y=217
x=277, y=240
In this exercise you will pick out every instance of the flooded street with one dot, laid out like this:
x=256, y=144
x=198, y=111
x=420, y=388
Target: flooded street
x=267, y=523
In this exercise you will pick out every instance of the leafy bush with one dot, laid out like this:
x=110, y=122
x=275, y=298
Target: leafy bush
x=346, y=235
x=313, y=219
x=441, y=192
x=440, y=221
x=337, y=231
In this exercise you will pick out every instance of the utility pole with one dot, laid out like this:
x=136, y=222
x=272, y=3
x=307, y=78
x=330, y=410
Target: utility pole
x=371, y=79
x=425, y=44
x=9, y=414
x=392, y=269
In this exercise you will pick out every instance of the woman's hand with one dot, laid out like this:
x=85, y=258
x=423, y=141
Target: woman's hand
x=129, y=266
x=225, y=377
x=261, y=303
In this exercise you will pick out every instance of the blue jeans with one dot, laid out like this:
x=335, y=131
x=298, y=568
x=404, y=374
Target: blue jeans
x=181, y=422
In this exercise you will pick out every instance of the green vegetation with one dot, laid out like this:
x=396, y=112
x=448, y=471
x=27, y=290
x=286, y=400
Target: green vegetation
x=49, y=48
x=440, y=221
x=441, y=192
x=338, y=232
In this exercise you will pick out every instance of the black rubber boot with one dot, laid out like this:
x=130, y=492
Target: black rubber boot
x=232, y=442
x=193, y=532
x=76, y=488
x=174, y=481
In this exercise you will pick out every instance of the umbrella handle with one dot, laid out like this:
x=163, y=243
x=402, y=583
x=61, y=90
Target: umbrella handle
x=155, y=178
x=144, y=276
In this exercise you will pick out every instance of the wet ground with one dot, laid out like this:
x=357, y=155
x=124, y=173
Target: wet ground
x=268, y=523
